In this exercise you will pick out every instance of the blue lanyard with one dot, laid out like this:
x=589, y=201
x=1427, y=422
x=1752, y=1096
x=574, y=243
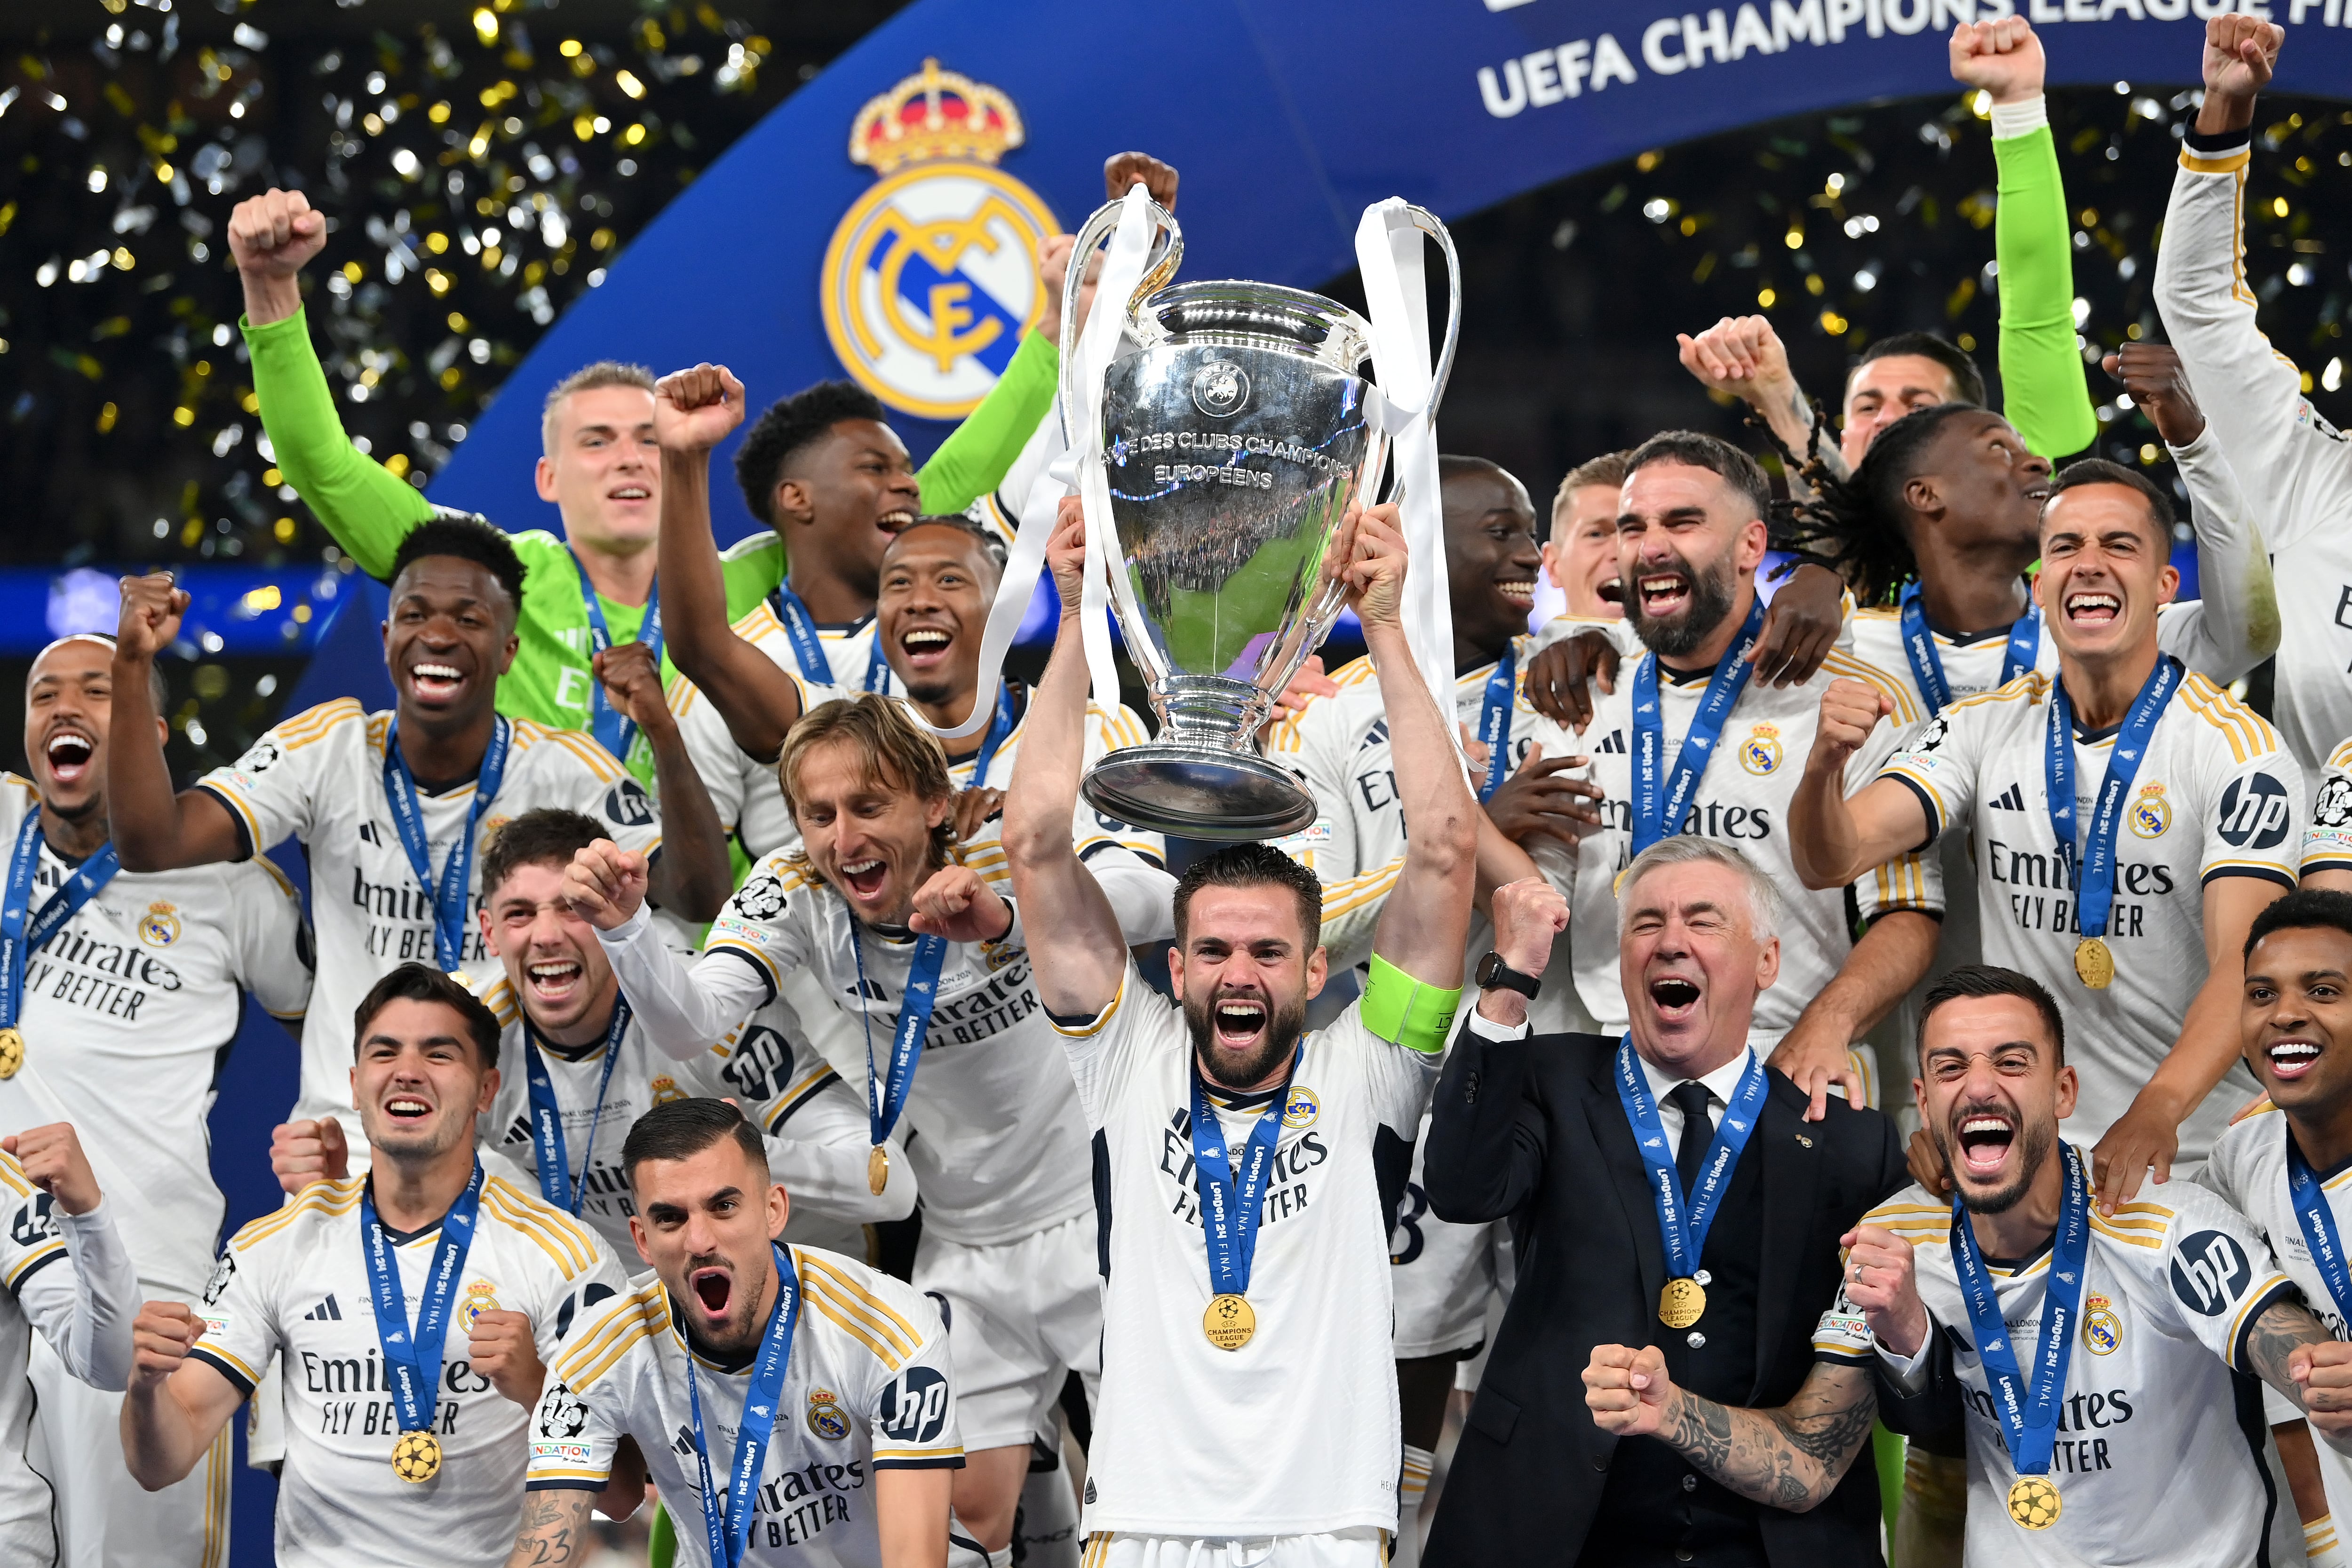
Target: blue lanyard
x=2318, y=1222
x=800, y=627
x=1495, y=720
x=449, y=895
x=1229, y=1201
x=615, y=731
x=2095, y=893
x=998, y=727
x=555, y=1181
x=1927, y=666
x=1683, y=1219
x=1660, y=803
x=412, y=1362
x=729, y=1523
x=885, y=1094
x=2027, y=1404
x=18, y=940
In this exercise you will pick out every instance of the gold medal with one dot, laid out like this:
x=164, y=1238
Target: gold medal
x=1229, y=1322
x=2094, y=966
x=878, y=1169
x=11, y=1051
x=2034, y=1502
x=1682, y=1303
x=416, y=1458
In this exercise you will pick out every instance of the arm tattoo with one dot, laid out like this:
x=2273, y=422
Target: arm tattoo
x=2273, y=1338
x=1790, y=1458
x=554, y=1530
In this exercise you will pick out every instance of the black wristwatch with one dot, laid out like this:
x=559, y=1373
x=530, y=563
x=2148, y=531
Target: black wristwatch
x=1493, y=971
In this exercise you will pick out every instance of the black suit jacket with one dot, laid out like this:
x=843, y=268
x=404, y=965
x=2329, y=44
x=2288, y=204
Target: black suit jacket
x=1533, y=1130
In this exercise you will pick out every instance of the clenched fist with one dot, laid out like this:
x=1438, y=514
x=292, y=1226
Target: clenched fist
x=605, y=884
x=631, y=674
x=151, y=608
x=162, y=1335
x=2240, y=53
x=1627, y=1390
x=2159, y=385
x=502, y=1349
x=302, y=1152
x=1880, y=1280
x=2003, y=57
x=956, y=904
x=694, y=410
x=1851, y=710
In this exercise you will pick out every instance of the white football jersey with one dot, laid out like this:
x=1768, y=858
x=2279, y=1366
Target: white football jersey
x=1742, y=800
x=1339, y=746
x=128, y=1011
x=867, y=1388
x=1295, y=1432
x=991, y=1124
x=2151, y=1465
x=294, y=1285
x=2248, y=1169
x=69, y=1278
x=816, y=1125
x=2328, y=843
x=2216, y=795
x=319, y=776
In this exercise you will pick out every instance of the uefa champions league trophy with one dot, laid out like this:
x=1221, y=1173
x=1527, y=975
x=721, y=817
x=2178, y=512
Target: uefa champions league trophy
x=1237, y=429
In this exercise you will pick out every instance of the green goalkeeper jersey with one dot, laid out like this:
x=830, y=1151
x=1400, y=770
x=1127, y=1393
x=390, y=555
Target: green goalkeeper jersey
x=368, y=510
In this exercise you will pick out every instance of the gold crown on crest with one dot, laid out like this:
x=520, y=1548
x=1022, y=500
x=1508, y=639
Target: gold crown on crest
x=933, y=114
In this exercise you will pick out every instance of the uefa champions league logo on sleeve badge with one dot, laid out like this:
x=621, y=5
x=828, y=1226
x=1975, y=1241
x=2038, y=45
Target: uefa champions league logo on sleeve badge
x=931, y=275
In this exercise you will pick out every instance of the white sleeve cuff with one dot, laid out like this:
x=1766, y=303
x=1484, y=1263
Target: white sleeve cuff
x=1909, y=1372
x=2010, y=120
x=629, y=932
x=1485, y=1028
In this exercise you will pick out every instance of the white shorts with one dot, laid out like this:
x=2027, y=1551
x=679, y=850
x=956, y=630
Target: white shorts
x=1360, y=1547
x=105, y=1519
x=1443, y=1274
x=1021, y=1316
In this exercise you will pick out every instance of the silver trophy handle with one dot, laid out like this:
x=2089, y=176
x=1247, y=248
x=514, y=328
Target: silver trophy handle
x=1167, y=250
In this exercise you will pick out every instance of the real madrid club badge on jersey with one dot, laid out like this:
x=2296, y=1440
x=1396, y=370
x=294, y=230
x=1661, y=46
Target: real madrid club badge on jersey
x=931, y=274
x=1760, y=752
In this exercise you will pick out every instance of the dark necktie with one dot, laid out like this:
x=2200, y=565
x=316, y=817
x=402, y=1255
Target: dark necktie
x=1690, y=1098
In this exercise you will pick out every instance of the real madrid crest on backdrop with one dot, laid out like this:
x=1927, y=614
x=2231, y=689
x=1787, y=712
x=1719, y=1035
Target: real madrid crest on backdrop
x=932, y=274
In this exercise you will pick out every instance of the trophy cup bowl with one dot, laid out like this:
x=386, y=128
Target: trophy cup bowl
x=1234, y=434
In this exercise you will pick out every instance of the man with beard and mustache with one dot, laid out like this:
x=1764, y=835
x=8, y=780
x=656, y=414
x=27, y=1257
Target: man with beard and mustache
x=1580, y=1142
x=2130, y=818
x=2095, y=1354
x=394, y=809
x=2282, y=1164
x=910, y=936
x=1724, y=753
x=1247, y=1169
x=795, y=1407
x=127, y=991
x=413, y=1309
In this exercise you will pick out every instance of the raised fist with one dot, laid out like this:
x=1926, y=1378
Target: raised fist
x=694, y=410
x=151, y=608
x=2003, y=58
x=273, y=234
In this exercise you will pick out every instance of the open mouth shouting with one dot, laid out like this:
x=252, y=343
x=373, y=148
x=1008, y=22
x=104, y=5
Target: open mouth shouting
x=2293, y=1057
x=2094, y=608
x=1612, y=592
x=865, y=878
x=1239, y=1020
x=926, y=647
x=554, y=980
x=1664, y=593
x=433, y=682
x=1675, y=997
x=1984, y=1139
x=714, y=1291
x=69, y=756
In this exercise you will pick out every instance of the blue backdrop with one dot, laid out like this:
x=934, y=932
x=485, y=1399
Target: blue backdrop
x=1286, y=117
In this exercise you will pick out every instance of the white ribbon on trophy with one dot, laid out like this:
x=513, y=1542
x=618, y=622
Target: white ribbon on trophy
x=1388, y=256
x=1080, y=472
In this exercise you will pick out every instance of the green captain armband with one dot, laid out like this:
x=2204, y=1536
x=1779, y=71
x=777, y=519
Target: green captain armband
x=1403, y=1010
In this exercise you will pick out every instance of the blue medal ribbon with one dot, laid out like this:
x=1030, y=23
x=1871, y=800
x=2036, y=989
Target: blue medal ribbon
x=412, y=1361
x=886, y=1092
x=555, y=1182
x=1230, y=1200
x=998, y=727
x=20, y=938
x=1661, y=802
x=1927, y=666
x=2026, y=1401
x=615, y=731
x=1683, y=1219
x=728, y=1523
x=2094, y=860
x=2318, y=1222
x=808, y=648
x=1495, y=720
x=449, y=893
